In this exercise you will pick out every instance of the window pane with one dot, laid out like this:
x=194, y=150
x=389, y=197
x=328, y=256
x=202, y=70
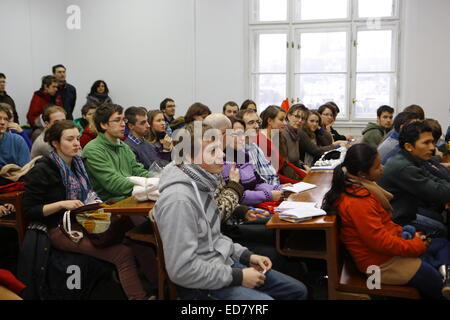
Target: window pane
x=374, y=51
x=322, y=9
x=373, y=91
x=269, y=89
x=323, y=52
x=315, y=90
x=272, y=53
x=270, y=10
x=378, y=8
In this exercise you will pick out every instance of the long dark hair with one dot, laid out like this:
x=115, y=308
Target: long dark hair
x=271, y=112
x=358, y=159
x=96, y=85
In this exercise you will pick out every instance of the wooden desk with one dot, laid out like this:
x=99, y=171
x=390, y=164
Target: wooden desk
x=316, y=238
x=131, y=206
x=17, y=220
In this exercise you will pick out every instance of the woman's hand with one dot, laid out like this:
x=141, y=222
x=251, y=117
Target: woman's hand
x=234, y=173
x=277, y=195
x=15, y=126
x=71, y=204
x=167, y=143
x=254, y=214
x=6, y=209
x=341, y=143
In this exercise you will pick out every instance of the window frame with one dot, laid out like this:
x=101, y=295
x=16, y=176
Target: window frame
x=354, y=24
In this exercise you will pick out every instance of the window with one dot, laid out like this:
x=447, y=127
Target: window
x=314, y=51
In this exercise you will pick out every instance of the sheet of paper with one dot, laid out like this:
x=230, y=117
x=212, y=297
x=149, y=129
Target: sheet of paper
x=300, y=187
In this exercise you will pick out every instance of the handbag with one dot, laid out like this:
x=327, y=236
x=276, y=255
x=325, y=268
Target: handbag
x=291, y=171
x=103, y=229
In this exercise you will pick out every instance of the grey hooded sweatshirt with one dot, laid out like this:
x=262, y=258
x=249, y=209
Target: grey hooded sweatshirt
x=196, y=253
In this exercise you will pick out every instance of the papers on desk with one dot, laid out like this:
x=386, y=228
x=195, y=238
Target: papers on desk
x=300, y=187
x=294, y=211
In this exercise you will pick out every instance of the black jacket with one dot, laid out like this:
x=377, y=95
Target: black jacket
x=68, y=94
x=43, y=185
x=44, y=269
x=5, y=98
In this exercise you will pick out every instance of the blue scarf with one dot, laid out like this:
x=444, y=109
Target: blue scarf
x=76, y=181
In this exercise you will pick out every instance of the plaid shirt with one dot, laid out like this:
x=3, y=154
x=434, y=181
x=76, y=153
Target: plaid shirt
x=262, y=165
x=134, y=139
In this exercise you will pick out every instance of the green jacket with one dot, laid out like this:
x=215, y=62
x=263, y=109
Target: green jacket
x=108, y=165
x=411, y=185
x=373, y=134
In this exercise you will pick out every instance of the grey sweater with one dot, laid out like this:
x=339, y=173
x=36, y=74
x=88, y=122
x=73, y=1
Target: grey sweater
x=197, y=254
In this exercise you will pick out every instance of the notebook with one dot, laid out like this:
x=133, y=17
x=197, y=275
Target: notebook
x=299, y=187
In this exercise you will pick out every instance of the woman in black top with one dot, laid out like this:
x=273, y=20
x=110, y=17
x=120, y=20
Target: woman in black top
x=58, y=183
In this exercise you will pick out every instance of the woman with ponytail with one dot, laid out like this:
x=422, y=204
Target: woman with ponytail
x=158, y=138
x=373, y=239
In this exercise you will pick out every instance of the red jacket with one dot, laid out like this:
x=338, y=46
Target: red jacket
x=39, y=101
x=269, y=150
x=368, y=232
x=87, y=136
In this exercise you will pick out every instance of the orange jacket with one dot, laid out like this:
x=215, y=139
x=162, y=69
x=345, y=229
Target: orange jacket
x=369, y=234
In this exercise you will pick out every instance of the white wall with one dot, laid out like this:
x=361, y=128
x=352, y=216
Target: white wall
x=32, y=42
x=425, y=63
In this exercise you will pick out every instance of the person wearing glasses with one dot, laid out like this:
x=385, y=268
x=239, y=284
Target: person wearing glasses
x=109, y=161
x=262, y=166
x=296, y=117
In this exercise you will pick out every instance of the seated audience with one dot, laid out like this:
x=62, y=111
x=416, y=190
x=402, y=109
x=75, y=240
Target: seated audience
x=99, y=93
x=336, y=135
x=66, y=92
x=168, y=106
x=230, y=109
x=411, y=185
x=262, y=166
x=51, y=114
x=272, y=143
x=374, y=133
x=59, y=182
x=199, y=258
x=256, y=190
x=42, y=98
x=372, y=238
x=5, y=98
x=13, y=149
x=15, y=128
x=249, y=104
x=315, y=141
x=434, y=165
x=418, y=110
x=196, y=112
x=389, y=147
x=87, y=114
x=296, y=117
x=90, y=131
x=109, y=161
x=139, y=127
x=160, y=141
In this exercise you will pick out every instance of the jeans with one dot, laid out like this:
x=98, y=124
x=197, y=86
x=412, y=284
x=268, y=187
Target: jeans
x=429, y=226
x=427, y=279
x=277, y=286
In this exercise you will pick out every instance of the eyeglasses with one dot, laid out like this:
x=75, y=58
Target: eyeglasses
x=298, y=117
x=124, y=120
x=252, y=122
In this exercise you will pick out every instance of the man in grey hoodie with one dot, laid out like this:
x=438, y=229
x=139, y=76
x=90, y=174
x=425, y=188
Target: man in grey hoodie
x=199, y=258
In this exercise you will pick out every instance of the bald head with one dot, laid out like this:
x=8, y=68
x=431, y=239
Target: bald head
x=218, y=121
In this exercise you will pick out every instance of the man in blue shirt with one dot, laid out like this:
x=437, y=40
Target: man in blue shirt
x=13, y=149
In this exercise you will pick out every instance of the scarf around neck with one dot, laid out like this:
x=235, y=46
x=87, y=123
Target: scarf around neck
x=207, y=181
x=293, y=133
x=76, y=181
x=384, y=196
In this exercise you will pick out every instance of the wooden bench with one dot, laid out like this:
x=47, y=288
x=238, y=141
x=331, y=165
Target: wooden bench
x=352, y=285
x=16, y=221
